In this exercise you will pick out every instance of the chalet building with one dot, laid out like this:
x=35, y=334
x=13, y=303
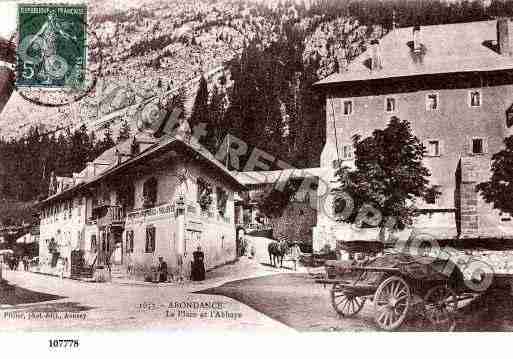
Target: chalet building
x=454, y=84
x=143, y=199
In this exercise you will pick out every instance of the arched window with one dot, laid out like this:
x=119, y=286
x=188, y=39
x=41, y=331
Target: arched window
x=150, y=193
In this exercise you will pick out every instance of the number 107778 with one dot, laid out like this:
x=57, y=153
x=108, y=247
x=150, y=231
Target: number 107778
x=63, y=343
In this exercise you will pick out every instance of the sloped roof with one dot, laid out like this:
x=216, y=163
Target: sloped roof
x=166, y=144
x=269, y=177
x=448, y=48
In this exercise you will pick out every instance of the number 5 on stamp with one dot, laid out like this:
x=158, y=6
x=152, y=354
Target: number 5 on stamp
x=51, y=45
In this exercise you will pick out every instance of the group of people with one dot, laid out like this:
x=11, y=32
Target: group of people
x=162, y=273
x=13, y=263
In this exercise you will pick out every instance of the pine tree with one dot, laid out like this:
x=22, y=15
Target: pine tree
x=216, y=125
x=106, y=143
x=124, y=132
x=199, y=112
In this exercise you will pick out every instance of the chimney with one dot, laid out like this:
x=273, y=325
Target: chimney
x=505, y=36
x=417, y=45
x=375, y=55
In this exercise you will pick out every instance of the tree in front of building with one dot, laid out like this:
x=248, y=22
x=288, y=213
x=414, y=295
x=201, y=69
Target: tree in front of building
x=273, y=201
x=498, y=189
x=388, y=179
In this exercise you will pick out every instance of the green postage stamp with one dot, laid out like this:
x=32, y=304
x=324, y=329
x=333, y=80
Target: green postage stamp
x=51, y=45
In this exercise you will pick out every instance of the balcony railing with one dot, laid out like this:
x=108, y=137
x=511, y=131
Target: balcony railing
x=167, y=209
x=256, y=227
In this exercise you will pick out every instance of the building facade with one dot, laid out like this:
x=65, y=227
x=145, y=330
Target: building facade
x=454, y=84
x=144, y=199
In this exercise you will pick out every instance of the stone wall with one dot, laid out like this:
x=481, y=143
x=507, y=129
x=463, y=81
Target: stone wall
x=474, y=216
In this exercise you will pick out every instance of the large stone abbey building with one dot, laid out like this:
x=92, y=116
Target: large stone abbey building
x=454, y=84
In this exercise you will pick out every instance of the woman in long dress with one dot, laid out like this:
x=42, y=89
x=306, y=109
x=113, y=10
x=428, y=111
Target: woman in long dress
x=198, y=265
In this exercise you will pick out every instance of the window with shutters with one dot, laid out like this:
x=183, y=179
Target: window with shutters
x=94, y=246
x=150, y=192
x=347, y=152
x=347, y=107
x=432, y=196
x=130, y=241
x=150, y=239
x=390, y=104
x=509, y=116
x=433, y=148
x=222, y=200
x=477, y=146
x=474, y=98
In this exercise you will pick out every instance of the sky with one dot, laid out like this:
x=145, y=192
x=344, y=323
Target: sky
x=7, y=18
x=8, y=14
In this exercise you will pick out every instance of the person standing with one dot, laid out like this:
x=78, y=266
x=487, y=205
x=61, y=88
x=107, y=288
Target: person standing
x=25, y=263
x=60, y=267
x=162, y=270
x=198, y=265
x=179, y=264
x=130, y=267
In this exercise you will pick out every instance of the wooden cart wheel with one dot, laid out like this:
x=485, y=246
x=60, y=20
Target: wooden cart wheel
x=391, y=303
x=440, y=306
x=345, y=304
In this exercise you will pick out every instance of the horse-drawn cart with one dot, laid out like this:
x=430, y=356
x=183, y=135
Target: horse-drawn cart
x=398, y=285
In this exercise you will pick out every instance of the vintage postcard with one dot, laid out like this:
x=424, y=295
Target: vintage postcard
x=262, y=166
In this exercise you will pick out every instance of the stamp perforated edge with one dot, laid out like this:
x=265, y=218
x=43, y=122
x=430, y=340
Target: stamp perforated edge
x=79, y=3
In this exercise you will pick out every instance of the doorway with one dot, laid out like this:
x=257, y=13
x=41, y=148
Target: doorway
x=117, y=247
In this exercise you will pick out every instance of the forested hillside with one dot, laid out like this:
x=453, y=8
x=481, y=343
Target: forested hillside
x=272, y=54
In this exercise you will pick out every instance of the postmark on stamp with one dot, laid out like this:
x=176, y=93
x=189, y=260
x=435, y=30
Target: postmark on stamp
x=51, y=46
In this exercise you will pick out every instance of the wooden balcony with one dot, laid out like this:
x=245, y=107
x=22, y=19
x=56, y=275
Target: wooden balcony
x=108, y=215
x=252, y=227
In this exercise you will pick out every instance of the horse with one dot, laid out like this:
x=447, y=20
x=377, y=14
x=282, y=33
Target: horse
x=277, y=250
